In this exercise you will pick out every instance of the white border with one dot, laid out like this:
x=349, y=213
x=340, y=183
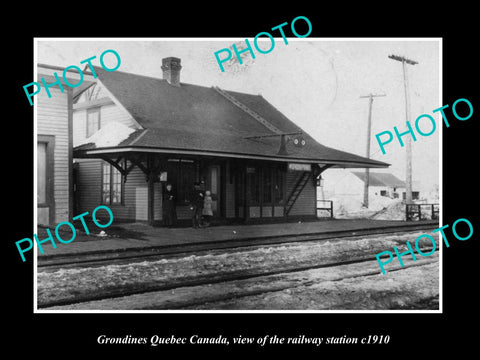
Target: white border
x=378, y=39
x=35, y=202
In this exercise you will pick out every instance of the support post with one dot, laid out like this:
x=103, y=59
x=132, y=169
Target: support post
x=151, y=191
x=408, y=145
x=366, y=183
x=246, y=199
x=154, y=166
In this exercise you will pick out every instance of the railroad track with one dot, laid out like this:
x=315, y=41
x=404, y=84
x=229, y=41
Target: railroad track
x=228, y=278
x=209, y=279
x=208, y=302
x=119, y=256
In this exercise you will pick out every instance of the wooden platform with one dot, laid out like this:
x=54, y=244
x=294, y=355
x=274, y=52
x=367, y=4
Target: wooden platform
x=139, y=235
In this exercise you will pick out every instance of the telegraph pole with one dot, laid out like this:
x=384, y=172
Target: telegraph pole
x=405, y=61
x=369, y=129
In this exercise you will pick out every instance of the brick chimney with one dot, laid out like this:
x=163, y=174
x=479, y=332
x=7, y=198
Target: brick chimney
x=171, y=70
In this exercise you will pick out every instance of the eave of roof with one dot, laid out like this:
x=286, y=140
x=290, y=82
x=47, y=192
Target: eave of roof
x=85, y=152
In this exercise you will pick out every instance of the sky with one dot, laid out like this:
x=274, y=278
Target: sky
x=315, y=82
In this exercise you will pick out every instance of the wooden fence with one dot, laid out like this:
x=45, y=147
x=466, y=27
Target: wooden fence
x=325, y=208
x=417, y=212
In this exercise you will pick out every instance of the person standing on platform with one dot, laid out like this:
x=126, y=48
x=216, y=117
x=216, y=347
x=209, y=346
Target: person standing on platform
x=169, y=207
x=197, y=206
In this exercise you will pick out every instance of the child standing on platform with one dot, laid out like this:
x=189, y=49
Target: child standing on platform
x=207, y=208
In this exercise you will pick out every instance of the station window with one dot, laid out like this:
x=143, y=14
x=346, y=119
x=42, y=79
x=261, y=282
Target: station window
x=278, y=187
x=265, y=186
x=253, y=181
x=112, y=185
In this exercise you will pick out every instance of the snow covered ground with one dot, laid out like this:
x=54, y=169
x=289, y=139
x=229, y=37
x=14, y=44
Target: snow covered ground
x=348, y=207
x=411, y=288
x=346, y=191
x=344, y=287
x=80, y=284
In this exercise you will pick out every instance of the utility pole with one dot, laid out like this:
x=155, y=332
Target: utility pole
x=408, y=179
x=369, y=129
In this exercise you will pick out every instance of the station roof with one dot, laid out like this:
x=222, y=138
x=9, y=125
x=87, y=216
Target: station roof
x=193, y=119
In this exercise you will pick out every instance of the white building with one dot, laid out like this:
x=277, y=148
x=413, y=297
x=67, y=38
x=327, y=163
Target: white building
x=340, y=183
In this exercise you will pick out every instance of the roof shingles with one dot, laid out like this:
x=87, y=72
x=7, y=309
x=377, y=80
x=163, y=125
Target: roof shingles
x=198, y=118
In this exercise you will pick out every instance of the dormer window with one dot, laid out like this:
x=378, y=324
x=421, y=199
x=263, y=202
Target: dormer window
x=93, y=121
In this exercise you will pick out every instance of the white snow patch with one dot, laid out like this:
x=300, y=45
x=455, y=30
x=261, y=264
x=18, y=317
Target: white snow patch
x=352, y=207
x=113, y=133
x=394, y=211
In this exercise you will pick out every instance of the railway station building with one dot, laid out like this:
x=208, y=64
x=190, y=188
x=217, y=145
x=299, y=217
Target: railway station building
x=133, y=134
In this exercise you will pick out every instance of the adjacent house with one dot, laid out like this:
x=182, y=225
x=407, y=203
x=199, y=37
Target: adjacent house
x=132, y=134
x=351, y=183
x=54, y=145
x=384, y=184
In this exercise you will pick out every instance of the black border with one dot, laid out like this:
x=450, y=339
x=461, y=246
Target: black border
x=411, y=334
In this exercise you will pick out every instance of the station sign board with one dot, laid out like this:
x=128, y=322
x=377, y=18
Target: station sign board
x=299, y=167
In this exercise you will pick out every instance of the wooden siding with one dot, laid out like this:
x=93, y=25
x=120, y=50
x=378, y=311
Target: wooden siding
x=135, y=204
x=53, y=119
x=88, y=184
x=306, y=203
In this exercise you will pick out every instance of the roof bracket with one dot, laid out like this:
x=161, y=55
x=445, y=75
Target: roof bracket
x=323, y=168
x=115, y=164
